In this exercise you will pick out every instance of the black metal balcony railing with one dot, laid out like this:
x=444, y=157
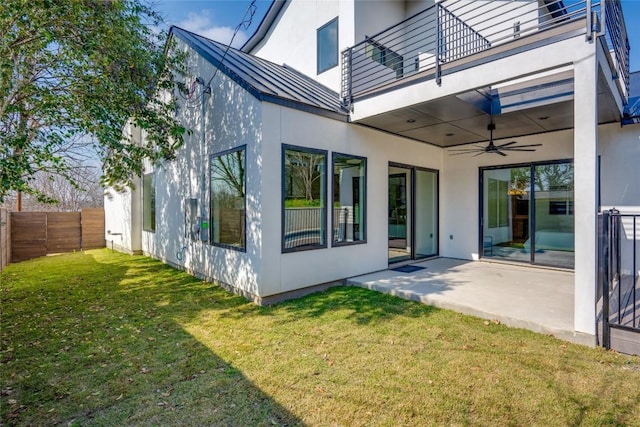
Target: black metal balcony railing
x=407, y=48
x=617, y=41
x=454, y=29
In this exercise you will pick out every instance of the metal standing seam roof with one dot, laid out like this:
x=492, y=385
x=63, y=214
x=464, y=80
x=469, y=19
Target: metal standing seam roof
x=269, y=82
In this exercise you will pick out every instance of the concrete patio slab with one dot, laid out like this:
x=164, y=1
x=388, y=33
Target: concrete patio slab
x=538, y=299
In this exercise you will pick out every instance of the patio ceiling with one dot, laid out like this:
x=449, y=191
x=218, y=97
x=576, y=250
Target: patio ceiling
x=543, y=104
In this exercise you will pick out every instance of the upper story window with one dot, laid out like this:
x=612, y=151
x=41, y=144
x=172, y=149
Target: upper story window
x=385, y=56
x=328, y=45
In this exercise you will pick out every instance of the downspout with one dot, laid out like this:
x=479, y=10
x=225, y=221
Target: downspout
x=204, y=225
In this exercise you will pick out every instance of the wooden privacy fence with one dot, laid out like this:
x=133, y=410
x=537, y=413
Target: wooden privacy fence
x=35, y=234
x=5, y=238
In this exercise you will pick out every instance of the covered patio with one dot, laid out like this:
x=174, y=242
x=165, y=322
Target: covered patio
x=538, y=299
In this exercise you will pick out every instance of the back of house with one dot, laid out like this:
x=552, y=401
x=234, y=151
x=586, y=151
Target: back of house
x=348, y=136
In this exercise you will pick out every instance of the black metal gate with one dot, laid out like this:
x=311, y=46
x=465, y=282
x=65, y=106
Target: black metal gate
x=619, y=281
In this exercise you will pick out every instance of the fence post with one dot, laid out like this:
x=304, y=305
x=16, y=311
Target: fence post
x=617, y=258
x=5, y=238
x=605, y=263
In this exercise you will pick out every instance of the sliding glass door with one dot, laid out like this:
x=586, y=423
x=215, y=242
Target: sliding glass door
x=412, y=213
x=426, y=208
x=553, y=219
x=399, y=214
x=527, y=213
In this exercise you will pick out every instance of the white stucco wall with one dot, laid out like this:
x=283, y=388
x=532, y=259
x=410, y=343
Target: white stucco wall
x=289, y=271
x=292, y=38
x=371, y=17
x=123, y=211
x=233, y=118
x=620, y=167
x=122, y=223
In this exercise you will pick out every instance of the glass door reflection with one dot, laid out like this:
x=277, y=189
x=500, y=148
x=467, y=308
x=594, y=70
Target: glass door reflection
x=399, y=232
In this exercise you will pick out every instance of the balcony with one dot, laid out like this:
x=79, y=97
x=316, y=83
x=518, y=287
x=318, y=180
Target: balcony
x=456, y=35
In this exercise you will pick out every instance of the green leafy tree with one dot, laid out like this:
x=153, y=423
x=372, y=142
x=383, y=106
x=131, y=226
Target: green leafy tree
x=80, y=70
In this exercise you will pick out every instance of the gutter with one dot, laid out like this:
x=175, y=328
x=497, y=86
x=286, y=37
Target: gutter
x=264, y=26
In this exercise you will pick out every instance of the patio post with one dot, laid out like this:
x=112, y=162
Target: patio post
x=585, y=147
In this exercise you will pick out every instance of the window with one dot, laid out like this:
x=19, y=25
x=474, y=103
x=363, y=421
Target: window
x=304, y=198
x=327, y=39
x=148, y=202
x=228, y=213
x=349, y=202
x=385, y=56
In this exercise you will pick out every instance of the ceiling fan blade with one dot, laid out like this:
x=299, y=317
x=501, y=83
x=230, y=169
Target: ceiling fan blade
x=519, y=149
x=477, y=147
x=479, y=154
x=501, y=153
x=507, y=144
x=467, y=152
x=527, y=145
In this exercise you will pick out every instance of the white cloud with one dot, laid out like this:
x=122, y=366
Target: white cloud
x=202, y=24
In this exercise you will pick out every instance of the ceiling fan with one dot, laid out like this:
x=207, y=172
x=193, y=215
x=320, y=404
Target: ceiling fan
x=492, y=148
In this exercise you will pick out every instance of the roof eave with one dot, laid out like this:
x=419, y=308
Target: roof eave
x=264, y=26
x=318, y=111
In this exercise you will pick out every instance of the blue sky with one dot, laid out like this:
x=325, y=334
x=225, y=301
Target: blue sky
x=217, y=19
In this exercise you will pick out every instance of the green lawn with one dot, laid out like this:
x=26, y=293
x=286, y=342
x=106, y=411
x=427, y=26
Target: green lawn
x=100, y=338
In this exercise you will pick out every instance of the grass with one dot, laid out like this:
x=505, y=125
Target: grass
x=100, y=338
x=302, y=203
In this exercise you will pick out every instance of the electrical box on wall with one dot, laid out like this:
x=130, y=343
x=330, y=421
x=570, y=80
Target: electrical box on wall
x=196, y=225
x=204, y=229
